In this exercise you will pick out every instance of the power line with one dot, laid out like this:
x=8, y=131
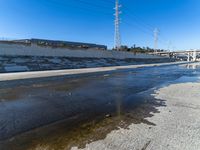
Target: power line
x=91, y=7
x=142, y=26
x=93, y=4
x=137, y=20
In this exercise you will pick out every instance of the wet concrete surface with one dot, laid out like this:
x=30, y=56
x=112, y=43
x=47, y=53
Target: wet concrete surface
x=64, y=112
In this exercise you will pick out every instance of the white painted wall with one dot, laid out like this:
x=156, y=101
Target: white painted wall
x=34, y=50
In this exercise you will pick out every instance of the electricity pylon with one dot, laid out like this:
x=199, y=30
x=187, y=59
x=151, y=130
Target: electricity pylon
x=117, y=26
x=169, y=46
x=156, y=31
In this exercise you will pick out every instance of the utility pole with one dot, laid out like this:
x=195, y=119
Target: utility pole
x=117, y=26
x=156, y=31
x=194, y=55
x=169, y=46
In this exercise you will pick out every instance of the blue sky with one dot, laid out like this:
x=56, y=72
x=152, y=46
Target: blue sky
x=93, y=21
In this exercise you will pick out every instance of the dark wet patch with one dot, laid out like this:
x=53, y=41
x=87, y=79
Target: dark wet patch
x=19, y=92
x=87, y=127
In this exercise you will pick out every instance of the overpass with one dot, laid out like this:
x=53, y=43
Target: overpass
x=191, y=54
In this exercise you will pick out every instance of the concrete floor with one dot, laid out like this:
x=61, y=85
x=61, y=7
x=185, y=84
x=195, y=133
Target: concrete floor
x=63, y=112
x=176, y=127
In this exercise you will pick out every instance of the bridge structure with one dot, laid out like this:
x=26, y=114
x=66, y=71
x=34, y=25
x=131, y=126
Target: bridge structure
x=192, y=55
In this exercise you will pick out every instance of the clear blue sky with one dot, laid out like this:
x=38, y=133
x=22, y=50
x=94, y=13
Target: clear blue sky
x=92, y=21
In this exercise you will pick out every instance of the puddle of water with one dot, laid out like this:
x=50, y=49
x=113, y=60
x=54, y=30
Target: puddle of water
x=83, y=129
x=185, y=79
x=94, y=108
x=193, y=66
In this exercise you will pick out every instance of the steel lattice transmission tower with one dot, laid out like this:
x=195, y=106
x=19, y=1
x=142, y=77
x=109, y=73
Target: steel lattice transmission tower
x=156, y=32
x=117, y=25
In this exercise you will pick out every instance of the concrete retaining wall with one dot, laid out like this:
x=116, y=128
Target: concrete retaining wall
x=34, y=50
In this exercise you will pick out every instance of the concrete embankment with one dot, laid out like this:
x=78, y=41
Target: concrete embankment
x=36, y=63
x=34, y=50
x=23, y=57
x=54, y=73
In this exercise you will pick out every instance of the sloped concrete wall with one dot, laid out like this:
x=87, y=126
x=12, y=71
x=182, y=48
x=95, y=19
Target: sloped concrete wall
x=39, y=63
x=34, y=50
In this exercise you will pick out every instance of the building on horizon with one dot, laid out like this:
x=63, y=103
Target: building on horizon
x=59, y=44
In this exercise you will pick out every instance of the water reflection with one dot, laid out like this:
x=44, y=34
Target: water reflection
x=193, y=66
x=118, y=98
x=185, y=79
